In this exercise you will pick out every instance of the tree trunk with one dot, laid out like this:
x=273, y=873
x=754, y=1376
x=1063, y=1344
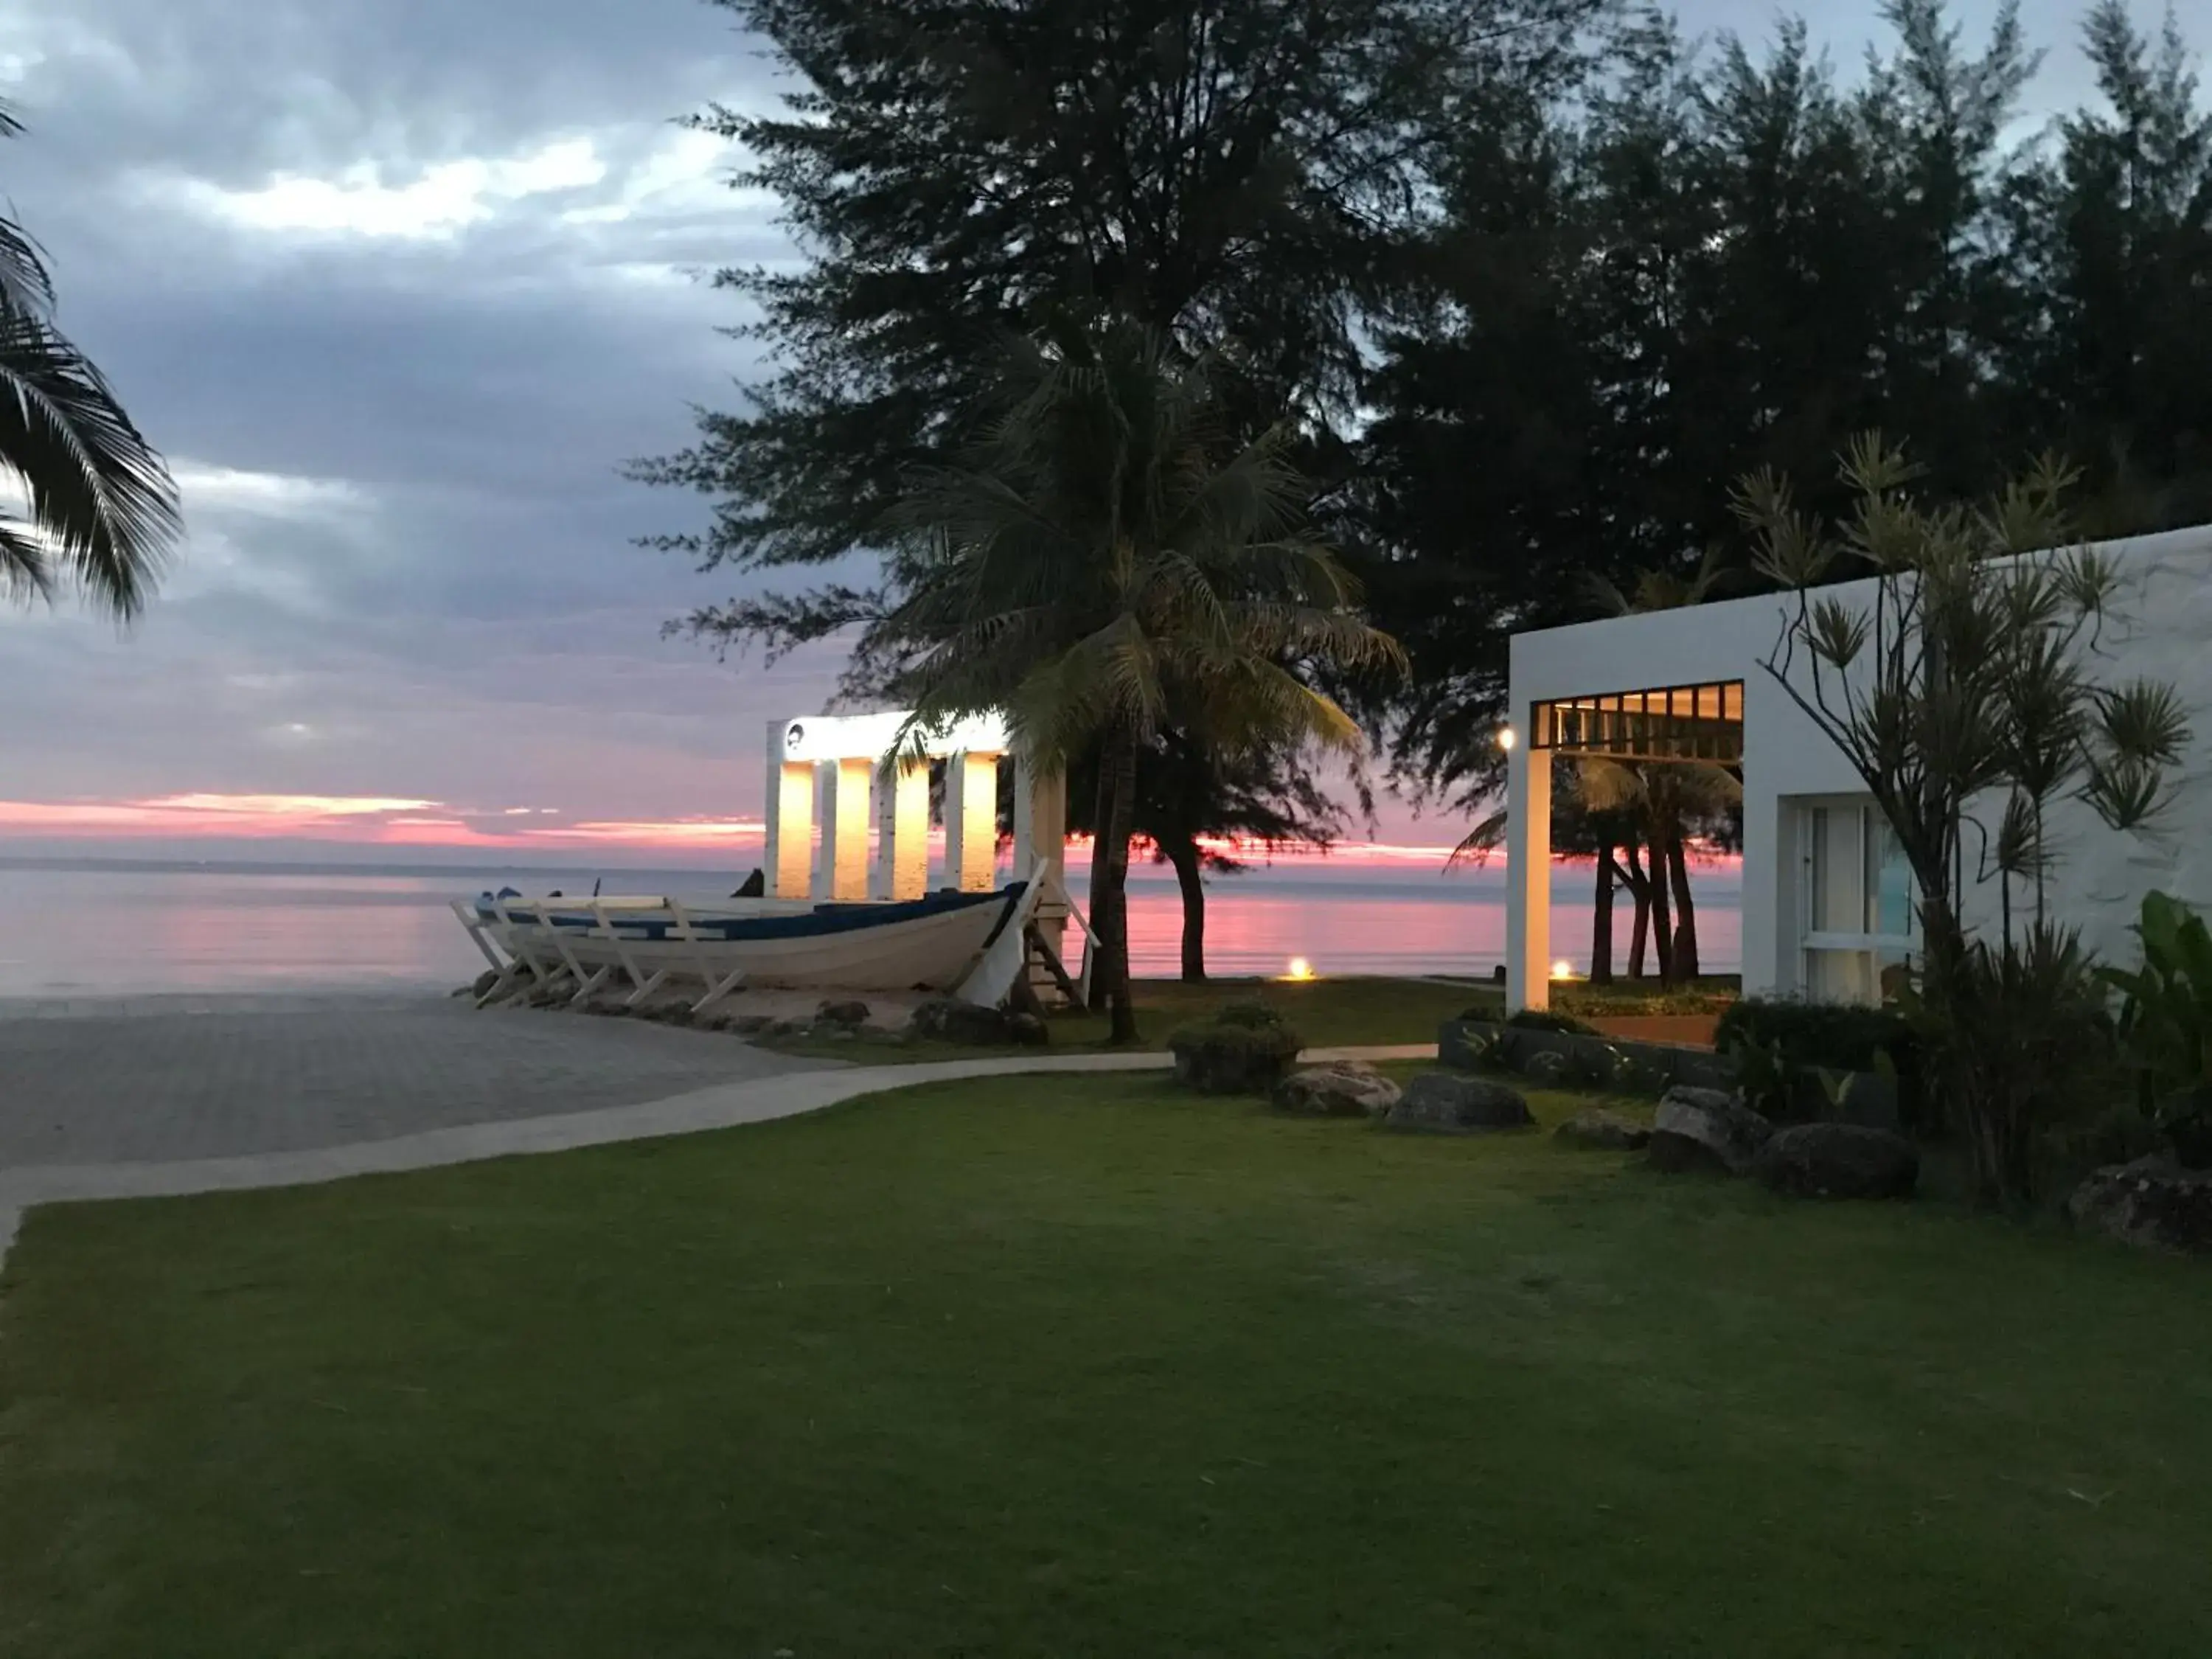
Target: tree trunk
x=1663, y=931
x=1638, y=884
x=1102, y=813
x=1109, y=882
x=1601, y=920
x=1184, y=856
x=1685, y=912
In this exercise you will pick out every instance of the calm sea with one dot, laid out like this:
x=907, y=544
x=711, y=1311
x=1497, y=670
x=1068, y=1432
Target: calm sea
x=84, y=929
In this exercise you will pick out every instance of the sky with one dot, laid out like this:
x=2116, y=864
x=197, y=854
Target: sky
x=398, y=285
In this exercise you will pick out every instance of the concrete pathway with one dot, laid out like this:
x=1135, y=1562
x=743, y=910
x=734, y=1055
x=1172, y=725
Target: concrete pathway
x=161, y=1104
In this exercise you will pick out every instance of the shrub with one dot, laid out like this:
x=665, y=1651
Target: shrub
x=1595, y=1068
x=1222, y=1057
x=1543, y=1019
x=2116, y=1135
x=1250, y=1013
x=2165, y=1023
x=1486, y=1051
x=1837, y=1036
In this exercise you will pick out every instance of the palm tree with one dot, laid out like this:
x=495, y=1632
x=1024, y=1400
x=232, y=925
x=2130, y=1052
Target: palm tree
x=102, y=508
x=1647, y=807
x=1109, y=565
x=1634, y=816
x=1667, y=795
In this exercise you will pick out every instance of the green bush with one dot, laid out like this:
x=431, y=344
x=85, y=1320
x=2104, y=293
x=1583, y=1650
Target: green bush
x=2118, y=1133
x=1543, y=1019
x=1595, y=1068
x=1224, y=1057
x=2165, y=1023
x=1835, y=1035
x=1250, y=1013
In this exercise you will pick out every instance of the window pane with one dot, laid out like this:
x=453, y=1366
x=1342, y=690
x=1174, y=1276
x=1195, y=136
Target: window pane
x=1889, y=884
x=1841, y=976
x=1836, y=906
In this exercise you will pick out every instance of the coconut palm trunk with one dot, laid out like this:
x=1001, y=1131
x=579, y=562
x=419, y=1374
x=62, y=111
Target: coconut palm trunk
x=1109, y=881
x=1639, y=937
x=1685, y=912
x=1663, y=927
x=1183, y=857
x=1602, y=918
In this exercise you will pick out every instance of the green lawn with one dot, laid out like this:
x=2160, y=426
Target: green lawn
x=1074, y=1367
x=1328, y=1013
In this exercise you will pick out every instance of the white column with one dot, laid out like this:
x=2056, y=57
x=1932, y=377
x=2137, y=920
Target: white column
x=903, y=833
x=845, y=829
x=1040, y=833
x=971, y=821
x=788, y=804
x=1527, y=877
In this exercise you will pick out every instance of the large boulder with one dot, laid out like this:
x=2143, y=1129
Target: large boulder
x=1837, y=1160
x=1344, y=1088
x=2153, y=1203
x=1445, y=1103
x=849, y=1012
x=1706, y=1130
x=948, y=1020
x=1600, y=1130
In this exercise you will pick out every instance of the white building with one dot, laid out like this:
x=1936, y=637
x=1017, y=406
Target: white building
x=1825, y=902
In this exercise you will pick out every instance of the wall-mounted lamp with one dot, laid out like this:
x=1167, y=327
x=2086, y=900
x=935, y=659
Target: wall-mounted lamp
x=1506, y=739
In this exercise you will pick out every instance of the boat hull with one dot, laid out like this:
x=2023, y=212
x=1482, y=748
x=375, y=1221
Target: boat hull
x=930, y=944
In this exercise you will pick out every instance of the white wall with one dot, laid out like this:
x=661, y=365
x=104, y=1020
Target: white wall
x=2163, y=630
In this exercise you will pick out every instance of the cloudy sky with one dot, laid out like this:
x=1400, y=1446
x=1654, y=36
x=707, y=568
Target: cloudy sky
x=397, y=285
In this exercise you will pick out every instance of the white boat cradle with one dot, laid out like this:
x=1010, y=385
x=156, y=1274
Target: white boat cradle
x=890, y=933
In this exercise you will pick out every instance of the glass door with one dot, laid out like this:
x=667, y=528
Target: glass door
x=1856, y=900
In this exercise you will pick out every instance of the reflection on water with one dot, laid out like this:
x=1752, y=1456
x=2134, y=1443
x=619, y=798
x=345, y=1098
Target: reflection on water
x=102, y=931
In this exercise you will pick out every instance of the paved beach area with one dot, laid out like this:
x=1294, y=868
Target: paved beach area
x=167, y=1079
x=164, y=1096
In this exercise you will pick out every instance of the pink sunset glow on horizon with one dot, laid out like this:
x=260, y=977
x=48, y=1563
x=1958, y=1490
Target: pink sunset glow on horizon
x=207, y=819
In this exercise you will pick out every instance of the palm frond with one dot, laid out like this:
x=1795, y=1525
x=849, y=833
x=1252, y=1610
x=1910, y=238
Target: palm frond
x=94, y=485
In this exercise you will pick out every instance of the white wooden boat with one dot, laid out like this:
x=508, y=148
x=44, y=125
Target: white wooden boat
x=968, y=945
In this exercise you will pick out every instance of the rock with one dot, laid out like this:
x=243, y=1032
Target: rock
x=1029, y=1030
x=1837, y=1160
x=1603, y=1131
x=842, y=1013
x=1706, y=1130
x=1344, y=1088
x=1440, y=1102
x=482, y=986
x=948, y=1020
x=2153, y=1204
x=1548, y=1070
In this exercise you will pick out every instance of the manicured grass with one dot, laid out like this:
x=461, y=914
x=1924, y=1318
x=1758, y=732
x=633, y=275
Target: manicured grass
x=1328, y=1013
x=1085, y=1367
